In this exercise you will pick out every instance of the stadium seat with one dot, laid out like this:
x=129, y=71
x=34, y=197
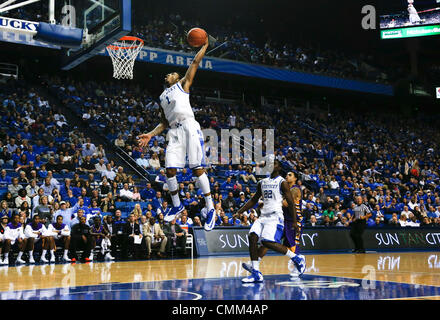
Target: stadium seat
x=119, y=205
x=3, y=192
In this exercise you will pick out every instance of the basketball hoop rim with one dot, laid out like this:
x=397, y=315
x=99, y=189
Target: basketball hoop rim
x=126, y=38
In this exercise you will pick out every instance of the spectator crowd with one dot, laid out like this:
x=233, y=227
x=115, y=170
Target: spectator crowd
x=57, y=186
x=169, y=32
x=385, y=158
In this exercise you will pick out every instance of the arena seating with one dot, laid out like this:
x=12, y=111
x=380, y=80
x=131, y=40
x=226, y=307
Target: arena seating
x=389, y=160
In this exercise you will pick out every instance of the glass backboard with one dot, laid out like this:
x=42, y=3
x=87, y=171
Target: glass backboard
x=103, y=22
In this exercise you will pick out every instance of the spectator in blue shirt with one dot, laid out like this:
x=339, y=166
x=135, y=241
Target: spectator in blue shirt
x=25, y=134
x=42, y=173
x=51, y=149
x=65, y=188
x=161, y=178
x=38, y=163
x=136, y=153
x=377, y=223
x=230, y=172
x=164, y=209
x=5, y=210
x=82, y=206
x=67, y=213
x=150, y=209
x=87, y=200
x=30, y=154
x=188, y=201
x=11, y=146
x=345, y=191
x=16, y=156
x=242, y=200
x=148, y=193
x=184, y=176
x=235, y=221
x=310, y=200
x=431, y=212
x=94, y=211
x=183, y=221
x=157, y=201
x=4, y=178
x=70, y=198
x=39, y=148
x=227, y=185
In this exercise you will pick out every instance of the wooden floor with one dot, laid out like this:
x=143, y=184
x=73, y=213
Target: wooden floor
x=409, y=268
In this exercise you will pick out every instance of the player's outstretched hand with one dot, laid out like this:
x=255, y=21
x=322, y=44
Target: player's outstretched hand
x=144, y=139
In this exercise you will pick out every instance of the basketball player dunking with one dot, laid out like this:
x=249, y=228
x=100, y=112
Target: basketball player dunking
x=269, y=226
x=185, y=138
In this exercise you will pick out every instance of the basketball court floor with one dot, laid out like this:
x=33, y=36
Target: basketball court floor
x=405, y=275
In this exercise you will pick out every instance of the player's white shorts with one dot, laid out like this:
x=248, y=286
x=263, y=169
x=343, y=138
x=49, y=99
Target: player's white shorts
x=36, y=239
x=13, y=237
x=185, y=140
x=269, y=228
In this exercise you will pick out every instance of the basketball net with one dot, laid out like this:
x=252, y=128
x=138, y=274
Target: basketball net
x=123, y=54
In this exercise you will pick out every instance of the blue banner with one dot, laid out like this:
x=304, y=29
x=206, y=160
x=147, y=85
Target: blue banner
x=153, y=55
x=26, y=39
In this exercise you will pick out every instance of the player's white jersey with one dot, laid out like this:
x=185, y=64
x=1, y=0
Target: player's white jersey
x=30, y=230
x=272, y=196
x=14, y=232
x=175, y=104
x=64, y=228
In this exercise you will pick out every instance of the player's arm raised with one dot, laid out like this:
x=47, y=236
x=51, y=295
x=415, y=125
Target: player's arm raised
x=146, y=137
x=191, y=72
x=252, y=201
x=290, y=203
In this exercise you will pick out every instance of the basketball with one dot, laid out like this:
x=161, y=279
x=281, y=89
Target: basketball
x=197, y=37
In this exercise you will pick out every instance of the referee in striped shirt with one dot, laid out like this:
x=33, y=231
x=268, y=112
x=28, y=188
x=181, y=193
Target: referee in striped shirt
x=361, y=213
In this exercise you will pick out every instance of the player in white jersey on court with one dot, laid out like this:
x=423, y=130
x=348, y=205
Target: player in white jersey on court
x=268, y=228
x=185, y=138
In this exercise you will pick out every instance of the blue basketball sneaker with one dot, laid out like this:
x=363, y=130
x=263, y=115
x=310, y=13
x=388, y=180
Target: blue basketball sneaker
x=174, y=213
x=256, y=276
x=300, y=263
x=210, y=220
